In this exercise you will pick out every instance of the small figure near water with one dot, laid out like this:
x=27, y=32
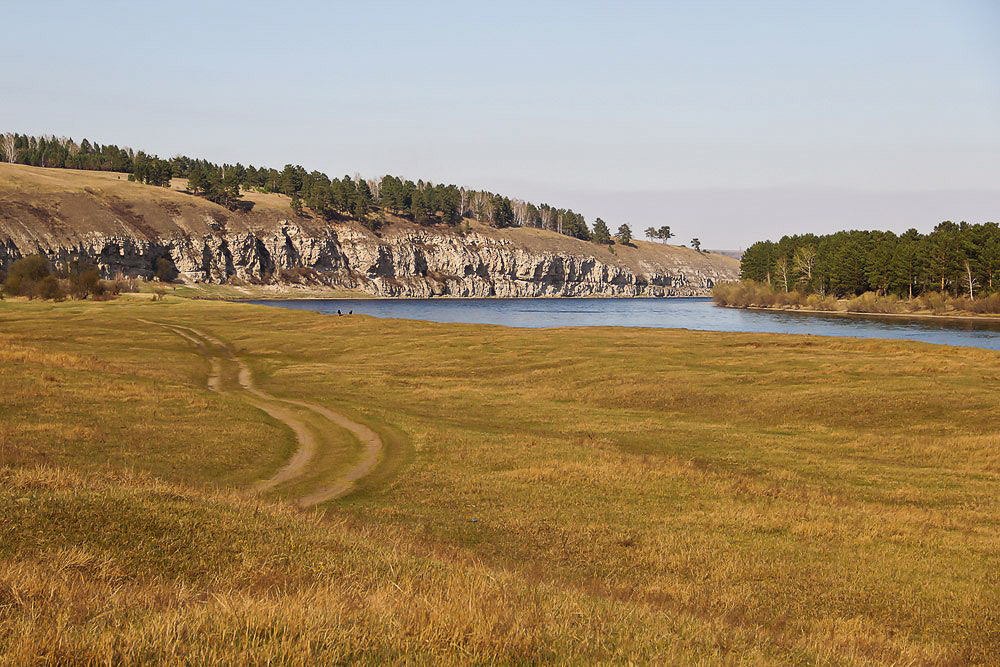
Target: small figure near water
x=338, y=312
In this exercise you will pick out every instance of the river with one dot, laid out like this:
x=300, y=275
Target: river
x=658, y=313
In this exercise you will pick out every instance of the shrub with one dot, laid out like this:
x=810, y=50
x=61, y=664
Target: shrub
x=722, y=293
x=817, y=302
x=24, y=276
x=48, y=288
x=934, y=302
x=165, y=270
x=989, y=304
x=796, y=298
x=748, y=294
x=870, y=302
x=757, y=294
x=84, y=281
x=962, y=303
x=121, y=284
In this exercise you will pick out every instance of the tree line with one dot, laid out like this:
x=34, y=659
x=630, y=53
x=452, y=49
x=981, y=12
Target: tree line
x=369, y=200
x=955, y=258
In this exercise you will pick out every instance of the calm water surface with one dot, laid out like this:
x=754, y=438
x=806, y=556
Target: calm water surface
x=658, y=313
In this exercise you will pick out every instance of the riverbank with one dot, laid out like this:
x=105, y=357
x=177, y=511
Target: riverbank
x=927, y=315
x=761, y=296
x=216, y=292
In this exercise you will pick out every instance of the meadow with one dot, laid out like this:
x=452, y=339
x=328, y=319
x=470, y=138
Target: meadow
x=553, y=495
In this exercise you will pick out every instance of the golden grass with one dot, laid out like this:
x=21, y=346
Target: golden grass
x=552, y=495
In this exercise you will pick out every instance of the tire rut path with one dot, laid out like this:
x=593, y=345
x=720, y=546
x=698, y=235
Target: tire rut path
x=372, y=447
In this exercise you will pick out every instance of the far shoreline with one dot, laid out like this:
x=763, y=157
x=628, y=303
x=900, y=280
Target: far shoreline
x=450, y=297
x=987, y=318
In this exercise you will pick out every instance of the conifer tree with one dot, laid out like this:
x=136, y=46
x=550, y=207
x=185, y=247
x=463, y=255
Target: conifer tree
x=602, y=234
x=624, y=235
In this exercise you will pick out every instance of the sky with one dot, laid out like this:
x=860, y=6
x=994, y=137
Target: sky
x=730, y=121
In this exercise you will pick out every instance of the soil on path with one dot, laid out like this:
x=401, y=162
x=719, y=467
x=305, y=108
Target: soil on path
x=300, y=464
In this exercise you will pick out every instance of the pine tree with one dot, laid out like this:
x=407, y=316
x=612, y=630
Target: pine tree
x=602, y=234
x=624, y=235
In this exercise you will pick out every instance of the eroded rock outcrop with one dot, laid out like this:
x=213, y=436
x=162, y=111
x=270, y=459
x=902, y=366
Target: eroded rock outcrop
x=406, y=264
x=125, y=228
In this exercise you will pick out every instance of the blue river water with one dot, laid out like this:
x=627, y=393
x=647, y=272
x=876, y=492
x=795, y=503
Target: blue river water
x=657, y=313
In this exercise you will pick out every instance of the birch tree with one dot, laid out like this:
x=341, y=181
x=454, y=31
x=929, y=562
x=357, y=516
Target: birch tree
x=969, y=279
x=9, y=143
x=783, y=270
x=803, y=262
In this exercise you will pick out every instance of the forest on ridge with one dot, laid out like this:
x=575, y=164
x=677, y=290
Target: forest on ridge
x=332, y=198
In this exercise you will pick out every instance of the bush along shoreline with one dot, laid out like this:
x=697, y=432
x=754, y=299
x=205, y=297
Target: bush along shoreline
x=34, y=277
x=753, y=294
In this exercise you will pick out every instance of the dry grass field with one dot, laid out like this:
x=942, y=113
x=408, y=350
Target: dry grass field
x=560, y=495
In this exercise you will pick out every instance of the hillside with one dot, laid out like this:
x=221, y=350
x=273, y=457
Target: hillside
x=125, y=227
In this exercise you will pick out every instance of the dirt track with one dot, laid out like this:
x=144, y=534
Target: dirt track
x=217, y=353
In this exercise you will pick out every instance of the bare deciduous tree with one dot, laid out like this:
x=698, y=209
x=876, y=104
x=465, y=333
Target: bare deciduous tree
x=520, y=211
x=547, y=218
x=803, y=263
x=375, y=185
x=783, y=271
x=969, y=279
x=9, y=143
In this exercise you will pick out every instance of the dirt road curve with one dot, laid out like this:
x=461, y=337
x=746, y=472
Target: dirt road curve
x=217, y=352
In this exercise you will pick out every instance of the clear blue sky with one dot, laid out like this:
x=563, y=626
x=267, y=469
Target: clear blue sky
x=728, y=120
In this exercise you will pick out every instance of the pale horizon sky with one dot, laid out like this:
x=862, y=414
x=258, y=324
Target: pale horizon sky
x=729, y=121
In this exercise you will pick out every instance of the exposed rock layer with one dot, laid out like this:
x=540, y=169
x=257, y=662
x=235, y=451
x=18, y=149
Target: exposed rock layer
x=125, y=228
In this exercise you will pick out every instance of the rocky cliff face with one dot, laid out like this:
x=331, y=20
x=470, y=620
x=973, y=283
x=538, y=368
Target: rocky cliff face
x=125, y=228
x=408, y=264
